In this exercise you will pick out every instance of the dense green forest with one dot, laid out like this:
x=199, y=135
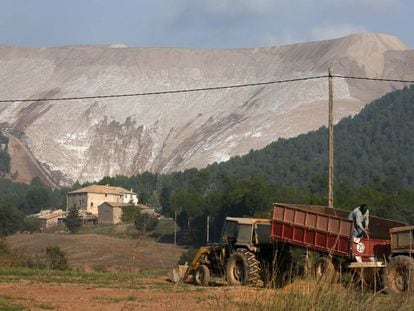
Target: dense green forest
x=376, y=143
x=18, y=200
x=374, y=152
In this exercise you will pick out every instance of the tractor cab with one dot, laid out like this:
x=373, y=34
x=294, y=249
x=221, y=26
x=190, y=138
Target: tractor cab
x=246, y=232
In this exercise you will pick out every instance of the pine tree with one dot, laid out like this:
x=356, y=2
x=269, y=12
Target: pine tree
x=73, y=220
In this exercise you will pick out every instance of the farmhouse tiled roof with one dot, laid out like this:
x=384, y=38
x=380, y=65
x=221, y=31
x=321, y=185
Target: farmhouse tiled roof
x=120, y=204
x=103, y=190
x=49, y=214
x=115, y=204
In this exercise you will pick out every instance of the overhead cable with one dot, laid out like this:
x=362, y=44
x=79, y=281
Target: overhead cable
x=164, y=92
x=373, y=79
x=203, y=89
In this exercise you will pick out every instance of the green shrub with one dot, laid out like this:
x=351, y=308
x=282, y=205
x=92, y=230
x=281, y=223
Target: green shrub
x=129, y=212
x=56, y=258
x=187, y=256
x=145, y=222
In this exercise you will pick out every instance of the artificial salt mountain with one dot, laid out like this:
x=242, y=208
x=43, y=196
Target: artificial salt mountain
x=88, y=139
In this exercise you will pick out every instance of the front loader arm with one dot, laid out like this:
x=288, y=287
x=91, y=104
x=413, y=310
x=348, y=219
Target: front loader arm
x=195, y=262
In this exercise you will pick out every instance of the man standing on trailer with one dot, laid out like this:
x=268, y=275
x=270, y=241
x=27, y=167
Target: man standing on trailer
x=360, y=217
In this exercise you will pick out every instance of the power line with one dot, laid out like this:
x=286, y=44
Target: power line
x=164, y=92
x=203, y=89
x=373, y=79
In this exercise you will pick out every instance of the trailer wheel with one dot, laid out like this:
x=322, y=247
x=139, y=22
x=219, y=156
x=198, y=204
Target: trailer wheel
x=202, y=276
x=243, y=268
x=325, y=271
x=398, y=276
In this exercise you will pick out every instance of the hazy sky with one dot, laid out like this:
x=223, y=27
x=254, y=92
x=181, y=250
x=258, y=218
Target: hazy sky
x=198, y=23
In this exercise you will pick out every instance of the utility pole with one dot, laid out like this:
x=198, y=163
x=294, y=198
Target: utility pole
x=175, y=227
x=331, y=142
x=208, y=229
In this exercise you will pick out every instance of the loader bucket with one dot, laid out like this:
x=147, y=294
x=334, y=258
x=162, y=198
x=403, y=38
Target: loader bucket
x=178, y=273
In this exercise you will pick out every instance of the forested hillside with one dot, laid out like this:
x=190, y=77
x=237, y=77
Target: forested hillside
x=376, y=143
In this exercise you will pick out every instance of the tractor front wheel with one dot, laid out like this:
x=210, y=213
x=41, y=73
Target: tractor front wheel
x=202, y=276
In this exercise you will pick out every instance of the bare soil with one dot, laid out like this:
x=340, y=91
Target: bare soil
x=23, y=166
x=85, y=298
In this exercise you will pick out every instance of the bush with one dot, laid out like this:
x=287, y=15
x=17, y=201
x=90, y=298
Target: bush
x=31, y=224
x=129, y=212
x=145, y=222
x=187, y=256
x=4, y=246
x=56, y=258
x=8, y=256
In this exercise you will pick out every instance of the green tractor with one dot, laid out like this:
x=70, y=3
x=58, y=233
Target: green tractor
x=243, y=249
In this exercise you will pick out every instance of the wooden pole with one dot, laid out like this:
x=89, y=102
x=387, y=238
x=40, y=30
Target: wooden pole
x=331, y=142
x=208, y=229
x=175, y=227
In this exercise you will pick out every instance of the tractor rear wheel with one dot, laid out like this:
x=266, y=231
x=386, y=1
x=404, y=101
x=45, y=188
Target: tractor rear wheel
x=398, y=276
x=243, y=268
x=202, y=276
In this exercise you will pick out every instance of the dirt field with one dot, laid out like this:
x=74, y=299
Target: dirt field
x=147, y=294
x=86, y=298
x=159, y=294
x=89, y=251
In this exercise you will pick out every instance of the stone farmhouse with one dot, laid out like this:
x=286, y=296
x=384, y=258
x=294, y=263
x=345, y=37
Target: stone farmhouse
x=88, y=199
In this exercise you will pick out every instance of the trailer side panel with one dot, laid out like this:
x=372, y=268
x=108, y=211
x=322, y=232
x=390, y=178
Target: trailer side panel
x=313, y=230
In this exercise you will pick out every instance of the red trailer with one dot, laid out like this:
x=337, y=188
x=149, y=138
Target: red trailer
x=329, y=232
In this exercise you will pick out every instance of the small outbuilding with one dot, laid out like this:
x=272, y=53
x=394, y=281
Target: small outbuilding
x=110, y=212
x=49, y=218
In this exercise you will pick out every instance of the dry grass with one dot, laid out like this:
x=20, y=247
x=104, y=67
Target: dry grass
x=96, y=252
x=308, y=295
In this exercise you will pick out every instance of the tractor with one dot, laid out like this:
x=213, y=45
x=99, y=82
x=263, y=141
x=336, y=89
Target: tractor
x=243, y=244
